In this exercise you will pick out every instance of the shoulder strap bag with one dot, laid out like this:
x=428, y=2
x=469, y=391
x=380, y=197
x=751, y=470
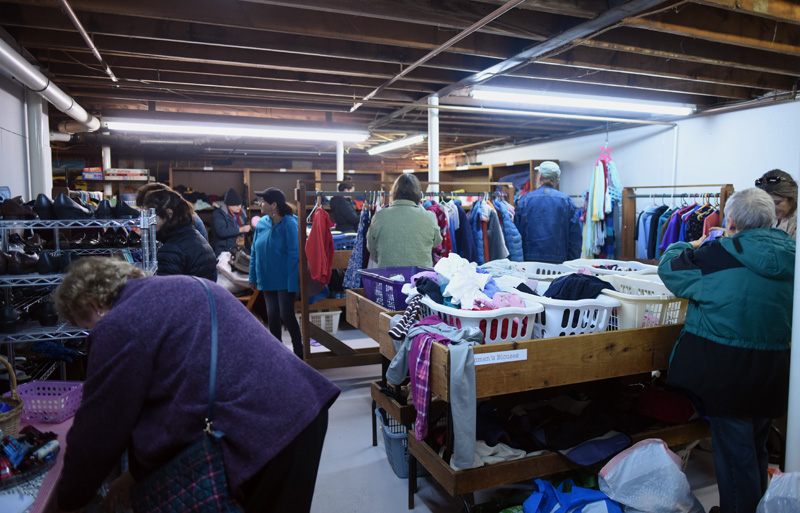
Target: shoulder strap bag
x=194, y=480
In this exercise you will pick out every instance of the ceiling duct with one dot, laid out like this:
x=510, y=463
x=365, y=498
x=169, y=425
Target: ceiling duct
x=19, y=68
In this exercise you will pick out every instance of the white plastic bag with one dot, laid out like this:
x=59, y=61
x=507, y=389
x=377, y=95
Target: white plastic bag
x=647, y=477
x=783, y=494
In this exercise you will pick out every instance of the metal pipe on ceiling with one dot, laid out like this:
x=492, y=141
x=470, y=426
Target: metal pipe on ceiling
x=85, y=35
x=444, y=46
x=27, y=74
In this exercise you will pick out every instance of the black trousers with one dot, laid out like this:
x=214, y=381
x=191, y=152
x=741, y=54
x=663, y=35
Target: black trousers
x=280, y=307
x=286, y=484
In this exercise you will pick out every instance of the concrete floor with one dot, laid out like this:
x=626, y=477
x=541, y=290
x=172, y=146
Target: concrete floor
x=355, y=477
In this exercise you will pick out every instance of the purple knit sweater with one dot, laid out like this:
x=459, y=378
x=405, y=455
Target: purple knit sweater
x=147, y=387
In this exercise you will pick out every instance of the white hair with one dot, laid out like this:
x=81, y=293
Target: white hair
x=751, y=208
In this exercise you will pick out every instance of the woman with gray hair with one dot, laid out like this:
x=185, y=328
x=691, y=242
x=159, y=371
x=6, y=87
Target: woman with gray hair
x=404, y=234
x=733, y=354
x=783, y=189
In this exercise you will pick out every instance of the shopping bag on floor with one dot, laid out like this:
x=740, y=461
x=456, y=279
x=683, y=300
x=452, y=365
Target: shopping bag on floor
x=647, y=478
x=567, y=498
x=783, y=494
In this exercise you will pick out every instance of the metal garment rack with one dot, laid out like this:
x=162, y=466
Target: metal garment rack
x=342, y=354
x=629, y=197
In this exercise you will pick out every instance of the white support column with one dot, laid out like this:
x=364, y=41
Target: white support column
x=339, y=162
x=40, y=167
x=107, y=191
x=433, y=144
x=793, y=415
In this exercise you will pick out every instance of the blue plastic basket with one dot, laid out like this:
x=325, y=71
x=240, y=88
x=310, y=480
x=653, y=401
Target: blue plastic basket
x=395, y=441
x=344, y=241
x=379, y=287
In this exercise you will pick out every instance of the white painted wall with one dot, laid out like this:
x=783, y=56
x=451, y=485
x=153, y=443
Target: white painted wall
x=735, y=147
x=13, y=141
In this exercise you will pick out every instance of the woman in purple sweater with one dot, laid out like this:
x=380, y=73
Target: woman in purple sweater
x=146, y=389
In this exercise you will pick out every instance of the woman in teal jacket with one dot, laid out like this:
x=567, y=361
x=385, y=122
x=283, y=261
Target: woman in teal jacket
x=733, y=353
x=274, y=256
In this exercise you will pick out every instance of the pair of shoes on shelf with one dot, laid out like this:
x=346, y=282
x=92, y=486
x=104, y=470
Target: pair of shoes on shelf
x=65, y=208
x=15, y=209
x=21, y=375
x=32, y=244
x=45, y=312
x=18, y=262
x=51, y=262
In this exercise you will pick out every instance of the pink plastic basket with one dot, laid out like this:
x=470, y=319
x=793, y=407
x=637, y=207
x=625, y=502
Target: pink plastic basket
x=50, y=401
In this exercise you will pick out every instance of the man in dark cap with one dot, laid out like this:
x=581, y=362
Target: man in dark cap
x=228, y=223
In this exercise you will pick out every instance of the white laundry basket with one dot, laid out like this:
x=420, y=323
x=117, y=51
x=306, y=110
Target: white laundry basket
x=563, y=317
x=544, y=270
x=643, y=303
x=624, y=267
x=500, y=325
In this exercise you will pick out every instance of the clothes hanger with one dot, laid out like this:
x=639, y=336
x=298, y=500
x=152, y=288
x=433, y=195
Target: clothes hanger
x=317, y=204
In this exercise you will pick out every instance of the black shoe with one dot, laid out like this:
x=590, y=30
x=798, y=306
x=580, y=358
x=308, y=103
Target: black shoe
x=63, y=242
x=43, y=206
x=121, y=240
x=92, y=239
x=4, y=258
x=14, y=209
x=48, y=263
x=46, y=314
x=77, y=239
x=66, y=208
x=134, y=239
x=9, y=319
x=22, y=263
x=124, y=211
x=104, y=210
x=108, y=238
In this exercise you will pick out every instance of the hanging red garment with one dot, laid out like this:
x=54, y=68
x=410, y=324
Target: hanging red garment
x=319, y=247
x=446, y=247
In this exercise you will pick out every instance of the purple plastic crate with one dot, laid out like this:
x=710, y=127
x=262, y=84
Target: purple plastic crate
x=379, y=287
x=50, y=401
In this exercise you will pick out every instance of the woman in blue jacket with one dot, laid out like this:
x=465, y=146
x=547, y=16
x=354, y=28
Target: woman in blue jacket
x=274, y=256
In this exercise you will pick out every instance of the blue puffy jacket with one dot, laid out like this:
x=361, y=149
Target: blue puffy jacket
x=510, y=232
x=550, y=226
x=477, y=232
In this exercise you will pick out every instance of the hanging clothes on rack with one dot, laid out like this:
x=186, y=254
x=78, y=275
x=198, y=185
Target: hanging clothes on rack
x=605, y=190
x=513, y=239
x=319, y=246
x=359, y=256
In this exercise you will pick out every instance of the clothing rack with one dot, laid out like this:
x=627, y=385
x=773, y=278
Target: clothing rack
x=342, y=355
x=629, y=197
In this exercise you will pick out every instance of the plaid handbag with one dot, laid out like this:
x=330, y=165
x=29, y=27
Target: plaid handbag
x=194, y=480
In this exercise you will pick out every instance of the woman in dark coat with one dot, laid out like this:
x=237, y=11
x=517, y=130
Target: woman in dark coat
x=183, y=250
x=344, y=215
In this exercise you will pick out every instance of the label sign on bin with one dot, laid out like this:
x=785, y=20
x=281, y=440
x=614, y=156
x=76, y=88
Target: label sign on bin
x=518, y=355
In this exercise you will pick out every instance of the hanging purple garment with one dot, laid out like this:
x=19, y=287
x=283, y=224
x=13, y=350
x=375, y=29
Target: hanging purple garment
x=352, y=280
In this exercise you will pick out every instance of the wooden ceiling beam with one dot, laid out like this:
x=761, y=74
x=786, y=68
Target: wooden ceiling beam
x=271, y=80
x=165, y=52
x=637, y=64
x=781, y=10
x=611, y=83
x=98, y=24
x=724, y=26
x=575, y=8
x=668, y=46
x=285, y=20
x=444, y=14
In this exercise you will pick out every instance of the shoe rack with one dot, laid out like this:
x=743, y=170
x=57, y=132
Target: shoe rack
x=38, y=286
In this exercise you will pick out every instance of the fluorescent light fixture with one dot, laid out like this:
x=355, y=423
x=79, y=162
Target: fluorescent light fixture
x=583, y=102
x=399, y=143
x=235, y=130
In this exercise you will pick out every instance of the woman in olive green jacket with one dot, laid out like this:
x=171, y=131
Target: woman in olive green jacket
x=404, y=234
